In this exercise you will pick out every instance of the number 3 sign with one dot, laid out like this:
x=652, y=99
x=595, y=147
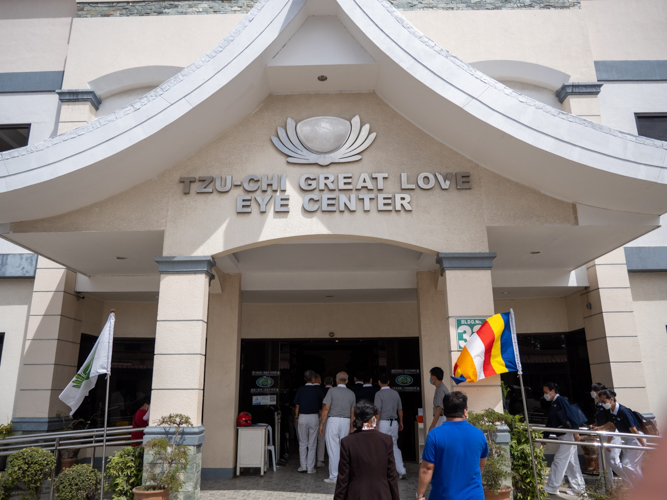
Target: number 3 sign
x=465, y=328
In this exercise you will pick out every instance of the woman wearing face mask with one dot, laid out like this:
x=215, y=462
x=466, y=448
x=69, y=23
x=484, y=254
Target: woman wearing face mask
x=367, y=470
x=603, y=423
x=566, y=460
x=624, y=421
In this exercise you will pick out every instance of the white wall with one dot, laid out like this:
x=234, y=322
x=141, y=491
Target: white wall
x=619, y=101
x=649, y=295
x=15, y=298
x=40, y=109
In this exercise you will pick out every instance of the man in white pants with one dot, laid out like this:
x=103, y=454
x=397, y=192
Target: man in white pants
x=390, y=416
x=338, y=407
x=308, y=402
x=321, y=441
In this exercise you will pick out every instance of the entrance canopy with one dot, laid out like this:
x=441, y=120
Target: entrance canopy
x=296, y=46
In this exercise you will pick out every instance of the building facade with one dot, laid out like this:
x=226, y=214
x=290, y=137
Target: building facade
x=257, y=188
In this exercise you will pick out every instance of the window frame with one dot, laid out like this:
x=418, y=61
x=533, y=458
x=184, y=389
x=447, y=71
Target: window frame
x=4, y=126
x=642, y=115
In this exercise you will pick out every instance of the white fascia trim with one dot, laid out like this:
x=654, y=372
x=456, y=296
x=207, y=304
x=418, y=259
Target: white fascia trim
x=539, y=278
x=135, y=283
x=332, y=280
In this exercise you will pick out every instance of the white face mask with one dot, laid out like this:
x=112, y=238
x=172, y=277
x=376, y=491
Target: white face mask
x=547, y=397
x=594, y=394
x=606, y=406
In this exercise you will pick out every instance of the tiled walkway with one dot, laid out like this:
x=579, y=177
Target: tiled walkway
x=288, y=484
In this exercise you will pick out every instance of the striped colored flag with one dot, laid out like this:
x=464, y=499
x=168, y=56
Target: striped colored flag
x=490, y=351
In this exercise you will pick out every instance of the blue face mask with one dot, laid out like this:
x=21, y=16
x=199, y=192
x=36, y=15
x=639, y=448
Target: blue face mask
x=431, y=380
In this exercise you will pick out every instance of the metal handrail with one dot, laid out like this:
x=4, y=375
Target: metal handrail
x=600, y=445
x=52, y=435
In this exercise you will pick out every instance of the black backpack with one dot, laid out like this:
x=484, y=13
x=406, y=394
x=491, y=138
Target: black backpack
x=647, y=425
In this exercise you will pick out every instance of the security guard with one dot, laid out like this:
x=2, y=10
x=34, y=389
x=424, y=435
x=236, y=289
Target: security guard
x=308, y=402
x=339, y=408
x=625, y=422
x=437, y=374
x=390, y=416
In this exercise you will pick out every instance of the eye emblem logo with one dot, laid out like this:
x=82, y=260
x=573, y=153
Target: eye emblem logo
x=264, y=382
x=323, y=140
x=404, y=380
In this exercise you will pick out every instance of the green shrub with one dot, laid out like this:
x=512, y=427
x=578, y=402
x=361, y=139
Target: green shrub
x=80, y=482
x=171, y=459
x=28, y=469
x=124, y=471
x=6, y=489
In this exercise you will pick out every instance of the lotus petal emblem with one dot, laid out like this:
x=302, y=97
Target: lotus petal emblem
x=323, y=140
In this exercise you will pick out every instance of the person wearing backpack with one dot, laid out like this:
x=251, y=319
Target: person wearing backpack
x=603, y=423
x=566, y=459
x=624, y=421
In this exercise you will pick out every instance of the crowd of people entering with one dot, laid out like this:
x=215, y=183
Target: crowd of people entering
x=359, y=428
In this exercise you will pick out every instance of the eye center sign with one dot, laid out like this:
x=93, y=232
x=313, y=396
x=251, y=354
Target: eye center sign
x=325, y=192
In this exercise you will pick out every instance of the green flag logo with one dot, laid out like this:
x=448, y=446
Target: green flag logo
x=84, y=374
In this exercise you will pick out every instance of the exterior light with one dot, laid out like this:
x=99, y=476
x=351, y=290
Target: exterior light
x=121, y=258
x=534, y=253
x=322, y=78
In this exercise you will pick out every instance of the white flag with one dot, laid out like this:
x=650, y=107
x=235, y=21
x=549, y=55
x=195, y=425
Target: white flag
x=97, y=363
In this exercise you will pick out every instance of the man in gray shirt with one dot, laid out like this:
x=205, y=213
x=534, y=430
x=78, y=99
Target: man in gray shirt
x=390, y=416
x=338, y=406
x=437, y=374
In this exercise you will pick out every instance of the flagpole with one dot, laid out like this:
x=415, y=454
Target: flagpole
x=525, y=407
x=106, y=415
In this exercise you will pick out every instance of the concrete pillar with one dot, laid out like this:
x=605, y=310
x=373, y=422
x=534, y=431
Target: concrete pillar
x=75, y=114
x=51, y=349
x=221, y=388
x=611, y=331
x=180, y=353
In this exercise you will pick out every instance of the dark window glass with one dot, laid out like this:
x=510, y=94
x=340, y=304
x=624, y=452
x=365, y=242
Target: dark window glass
x=13, y=136
x=2, y=344
x=653, y=125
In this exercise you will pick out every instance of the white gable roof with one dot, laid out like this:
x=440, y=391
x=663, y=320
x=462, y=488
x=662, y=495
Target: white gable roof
x=562, y=155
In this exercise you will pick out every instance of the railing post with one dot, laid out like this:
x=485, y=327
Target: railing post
x=603, y=464
x=53, y=471
x=92, y=460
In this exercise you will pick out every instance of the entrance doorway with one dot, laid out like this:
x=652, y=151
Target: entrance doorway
x=272, y=371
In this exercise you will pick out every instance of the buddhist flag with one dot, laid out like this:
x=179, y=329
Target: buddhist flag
x=97, y=363
x=490, y=351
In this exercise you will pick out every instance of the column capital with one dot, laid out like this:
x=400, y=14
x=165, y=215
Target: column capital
x=186, y=265
x=578, y=88
x=467, y=261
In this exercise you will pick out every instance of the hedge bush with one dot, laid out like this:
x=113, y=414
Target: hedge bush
x=80, y=482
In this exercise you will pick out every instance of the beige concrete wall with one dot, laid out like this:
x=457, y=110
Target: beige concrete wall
x=315, y=321
x=133, y=319
x=611, y=331
x=554, y=38
x=34, y=34
x=221, y=386
x=626, y=29
x=649, y=296
x=15, y=298
x=399, y=147
x=537, y=315
x=99, y=46
x=91, y=318
x=52, y=342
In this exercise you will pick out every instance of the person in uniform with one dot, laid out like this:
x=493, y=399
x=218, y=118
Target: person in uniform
x=367, y=390
x=603, y=423
x=566, y=460
x=390, y=418
x=358, y=383
x=437, y=374
x=308, y=402
x=321, y=441
x=625, y=422
x=338, y=407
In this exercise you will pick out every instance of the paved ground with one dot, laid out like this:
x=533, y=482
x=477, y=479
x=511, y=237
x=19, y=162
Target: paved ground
x=287, y=484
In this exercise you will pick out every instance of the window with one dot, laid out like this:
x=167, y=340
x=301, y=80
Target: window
x=2, y=344
x=653, y=125
x=13, y=136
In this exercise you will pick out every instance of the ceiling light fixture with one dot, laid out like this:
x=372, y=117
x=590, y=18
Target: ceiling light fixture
x=534, y=253
x=322, y=78
x=504, y=293
x=329, y=296
x=121, y=258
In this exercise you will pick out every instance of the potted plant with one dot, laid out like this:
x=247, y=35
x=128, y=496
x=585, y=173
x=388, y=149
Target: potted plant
x=27, y=470
x=124, y=471
x=168, y=460
x=68, y=457
x=79, y=482
x=5, y=431
x=497, y=470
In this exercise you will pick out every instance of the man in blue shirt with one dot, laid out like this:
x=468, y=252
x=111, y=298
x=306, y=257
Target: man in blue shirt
x=454, y=455
x=308, y=402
